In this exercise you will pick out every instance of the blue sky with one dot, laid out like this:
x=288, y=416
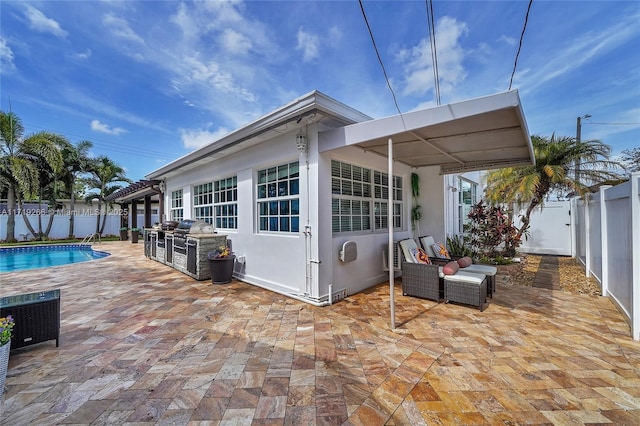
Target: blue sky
x=149, y=81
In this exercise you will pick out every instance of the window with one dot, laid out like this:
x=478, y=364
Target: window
x=176, y=205
x=203, y=202
x=468, y=196
x=278, y=202
x=225, y=202
x=360, y=198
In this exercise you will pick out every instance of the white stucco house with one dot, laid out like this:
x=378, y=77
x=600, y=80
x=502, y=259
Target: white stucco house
x=290, y=188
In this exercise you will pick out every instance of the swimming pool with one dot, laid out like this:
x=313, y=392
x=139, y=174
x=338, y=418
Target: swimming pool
x=32, y=257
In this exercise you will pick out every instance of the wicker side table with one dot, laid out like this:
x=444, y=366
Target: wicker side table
x=36, y=316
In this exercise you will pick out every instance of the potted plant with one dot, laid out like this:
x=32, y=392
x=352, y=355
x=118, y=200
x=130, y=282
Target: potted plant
x=221, y=261
x=123, y=233
x=135, y=232
x=6, y=329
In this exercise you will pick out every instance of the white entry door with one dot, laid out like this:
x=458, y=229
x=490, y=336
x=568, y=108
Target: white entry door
x=550, y=231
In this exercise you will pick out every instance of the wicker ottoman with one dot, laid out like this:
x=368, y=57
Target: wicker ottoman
x=489, y=271
x=466, y=288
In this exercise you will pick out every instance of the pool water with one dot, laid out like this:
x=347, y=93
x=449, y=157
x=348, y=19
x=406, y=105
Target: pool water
x=34, y=257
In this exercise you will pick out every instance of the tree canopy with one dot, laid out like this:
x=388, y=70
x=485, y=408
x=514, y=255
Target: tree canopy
x=562, y=164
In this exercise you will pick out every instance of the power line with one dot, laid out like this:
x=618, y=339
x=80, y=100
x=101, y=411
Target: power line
x=395, y=101
x=434, y=52
x=612, y=124
x=111, y=146
x=524, y=27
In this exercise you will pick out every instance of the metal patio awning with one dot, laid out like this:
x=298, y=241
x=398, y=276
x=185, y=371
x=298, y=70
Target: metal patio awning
x=477, y=134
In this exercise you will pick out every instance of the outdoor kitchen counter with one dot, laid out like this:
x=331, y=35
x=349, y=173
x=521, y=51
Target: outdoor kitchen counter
x=190, y=258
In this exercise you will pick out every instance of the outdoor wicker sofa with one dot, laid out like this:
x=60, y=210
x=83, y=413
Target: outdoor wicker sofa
x=427, y=243
x=429, y=281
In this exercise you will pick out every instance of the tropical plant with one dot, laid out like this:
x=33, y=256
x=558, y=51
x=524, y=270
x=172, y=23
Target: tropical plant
x=631, y=159
x=104, y=177
x=76, y=161
x=562, y=164
x=458, y=246
x=491, y=233
x=6, y=329
x=220, y=252
x=18, y=164
x=416, y=213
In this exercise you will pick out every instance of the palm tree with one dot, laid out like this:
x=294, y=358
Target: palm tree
x=76, y=161
x=18, y=168
x=104, y=176
x=562, y=164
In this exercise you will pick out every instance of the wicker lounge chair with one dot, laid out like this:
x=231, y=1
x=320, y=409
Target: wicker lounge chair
x=428, y=281
x=427, y=243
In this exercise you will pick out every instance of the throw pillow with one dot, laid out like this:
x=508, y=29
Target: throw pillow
x=413, y=253
x=450, y=268
x=465, y=261
x=441, y=251
x=422, y=257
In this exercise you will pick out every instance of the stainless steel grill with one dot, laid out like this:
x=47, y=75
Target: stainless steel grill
x=186, y=227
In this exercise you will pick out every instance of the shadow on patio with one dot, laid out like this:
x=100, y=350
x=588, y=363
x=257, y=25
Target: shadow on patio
x=143, y=343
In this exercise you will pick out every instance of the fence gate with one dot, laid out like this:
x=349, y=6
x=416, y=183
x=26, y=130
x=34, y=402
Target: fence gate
x=550, y=231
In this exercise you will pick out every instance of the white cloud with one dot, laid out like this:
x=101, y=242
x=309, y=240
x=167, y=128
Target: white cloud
x=235, y=42
x=196, y=138
x=577, y=53
x=82, y=55
x=6, y=57
x=309, y=44
x=121, y=29
x=335, y=36
x=105, y=128
x=39, y=22
x=511, y=41
x=418, y=68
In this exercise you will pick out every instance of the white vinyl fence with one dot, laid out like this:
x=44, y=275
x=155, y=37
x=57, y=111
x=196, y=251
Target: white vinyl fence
x=550, y=230
x=607, y=242
x=83, y=225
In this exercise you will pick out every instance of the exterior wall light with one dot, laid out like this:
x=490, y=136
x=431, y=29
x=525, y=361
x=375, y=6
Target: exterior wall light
x=301, y=143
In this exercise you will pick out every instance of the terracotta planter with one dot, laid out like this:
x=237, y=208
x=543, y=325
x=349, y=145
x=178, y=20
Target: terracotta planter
x=4, y=363
x=221, y=269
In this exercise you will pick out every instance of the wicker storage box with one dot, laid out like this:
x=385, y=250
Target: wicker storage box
x=466, y=288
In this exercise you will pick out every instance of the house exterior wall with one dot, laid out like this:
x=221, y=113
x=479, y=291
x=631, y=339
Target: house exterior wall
x=432, y=200
x=304, y=264
x=367, y=269
x=271, y=260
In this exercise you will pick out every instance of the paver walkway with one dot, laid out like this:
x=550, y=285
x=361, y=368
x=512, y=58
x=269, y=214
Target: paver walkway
x=548, y=274
x=143, y=344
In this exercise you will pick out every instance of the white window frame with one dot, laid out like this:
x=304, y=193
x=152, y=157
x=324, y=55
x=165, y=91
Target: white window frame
x=225, y=203
x=177, y=203
x=278, y=198
x=203, y=202
x=360, y=199
x=462, y=213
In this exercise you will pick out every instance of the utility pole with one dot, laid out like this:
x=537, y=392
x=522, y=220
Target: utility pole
x=579, y=141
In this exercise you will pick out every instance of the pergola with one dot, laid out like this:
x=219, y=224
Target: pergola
x=146, y=191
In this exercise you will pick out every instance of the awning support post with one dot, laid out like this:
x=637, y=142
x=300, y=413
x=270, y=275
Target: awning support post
x=390, y=227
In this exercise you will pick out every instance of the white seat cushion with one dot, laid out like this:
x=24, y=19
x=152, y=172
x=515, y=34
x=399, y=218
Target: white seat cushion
x=465, y=277
x=427, y=243
x=406, y=246
x=480, y=269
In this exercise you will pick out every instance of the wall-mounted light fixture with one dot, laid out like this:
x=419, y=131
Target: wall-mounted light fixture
x=301, y=143
x=453, y=188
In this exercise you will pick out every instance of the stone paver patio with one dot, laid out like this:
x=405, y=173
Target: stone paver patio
x=144, y=344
